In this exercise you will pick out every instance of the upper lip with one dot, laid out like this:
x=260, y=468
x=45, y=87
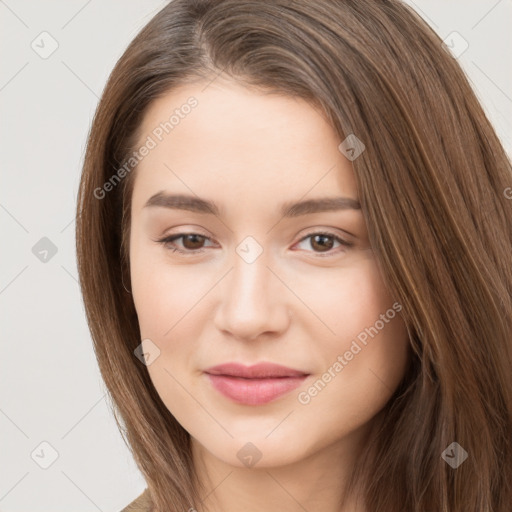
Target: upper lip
x=260, y=370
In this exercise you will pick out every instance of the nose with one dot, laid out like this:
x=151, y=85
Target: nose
x=252, y=301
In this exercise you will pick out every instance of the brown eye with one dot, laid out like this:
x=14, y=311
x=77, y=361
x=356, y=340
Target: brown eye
x=322, y=242
x=193, y=241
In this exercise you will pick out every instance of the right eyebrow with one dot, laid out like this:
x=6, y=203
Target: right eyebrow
x=182, y=202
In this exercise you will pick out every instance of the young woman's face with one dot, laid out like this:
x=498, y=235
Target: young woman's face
x=258, y=280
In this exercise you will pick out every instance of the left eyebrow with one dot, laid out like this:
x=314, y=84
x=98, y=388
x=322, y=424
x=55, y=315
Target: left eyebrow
x=289, y=209
x=322, y=204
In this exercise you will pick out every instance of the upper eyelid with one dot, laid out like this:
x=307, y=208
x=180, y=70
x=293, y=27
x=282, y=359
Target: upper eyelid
x=329, y=231
x=311, y=233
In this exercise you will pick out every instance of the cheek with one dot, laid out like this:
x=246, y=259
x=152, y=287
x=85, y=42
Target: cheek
x=162, y=294
x=347, y=300
x=172, y=309
x=361, y=380
x=166, y=299
x=364, y=341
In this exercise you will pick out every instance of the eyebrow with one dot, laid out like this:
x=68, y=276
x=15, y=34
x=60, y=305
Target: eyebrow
x=288, y=209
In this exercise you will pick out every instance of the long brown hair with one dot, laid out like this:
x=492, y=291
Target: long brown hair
x=432, y=183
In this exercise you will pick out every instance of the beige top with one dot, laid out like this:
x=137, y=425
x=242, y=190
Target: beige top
x=140, y=504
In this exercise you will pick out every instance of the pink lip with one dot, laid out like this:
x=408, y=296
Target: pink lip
x=254, y=385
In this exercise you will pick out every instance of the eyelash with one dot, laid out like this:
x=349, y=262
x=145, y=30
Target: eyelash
x=191, y=252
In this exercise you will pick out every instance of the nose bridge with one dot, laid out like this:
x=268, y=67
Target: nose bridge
x=250, y=279
x=250, y=302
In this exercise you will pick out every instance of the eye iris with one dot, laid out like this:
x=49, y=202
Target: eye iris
x=322, y=239
x=197, y=241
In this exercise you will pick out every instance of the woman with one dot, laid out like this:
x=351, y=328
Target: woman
x=294, y=240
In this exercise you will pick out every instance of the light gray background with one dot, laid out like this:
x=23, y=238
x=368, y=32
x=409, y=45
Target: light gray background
x=51, y=390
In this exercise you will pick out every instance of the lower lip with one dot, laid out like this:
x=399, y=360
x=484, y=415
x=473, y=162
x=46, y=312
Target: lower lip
x=254, y=391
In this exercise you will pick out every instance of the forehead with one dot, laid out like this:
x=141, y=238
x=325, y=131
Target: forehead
x=222, y=137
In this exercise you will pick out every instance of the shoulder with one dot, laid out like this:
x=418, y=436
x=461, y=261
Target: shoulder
x=141, y=504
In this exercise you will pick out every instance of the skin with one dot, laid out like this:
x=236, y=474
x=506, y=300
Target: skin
x=249, y=152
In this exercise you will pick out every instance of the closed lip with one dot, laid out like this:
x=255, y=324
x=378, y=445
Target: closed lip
x=258, y=371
